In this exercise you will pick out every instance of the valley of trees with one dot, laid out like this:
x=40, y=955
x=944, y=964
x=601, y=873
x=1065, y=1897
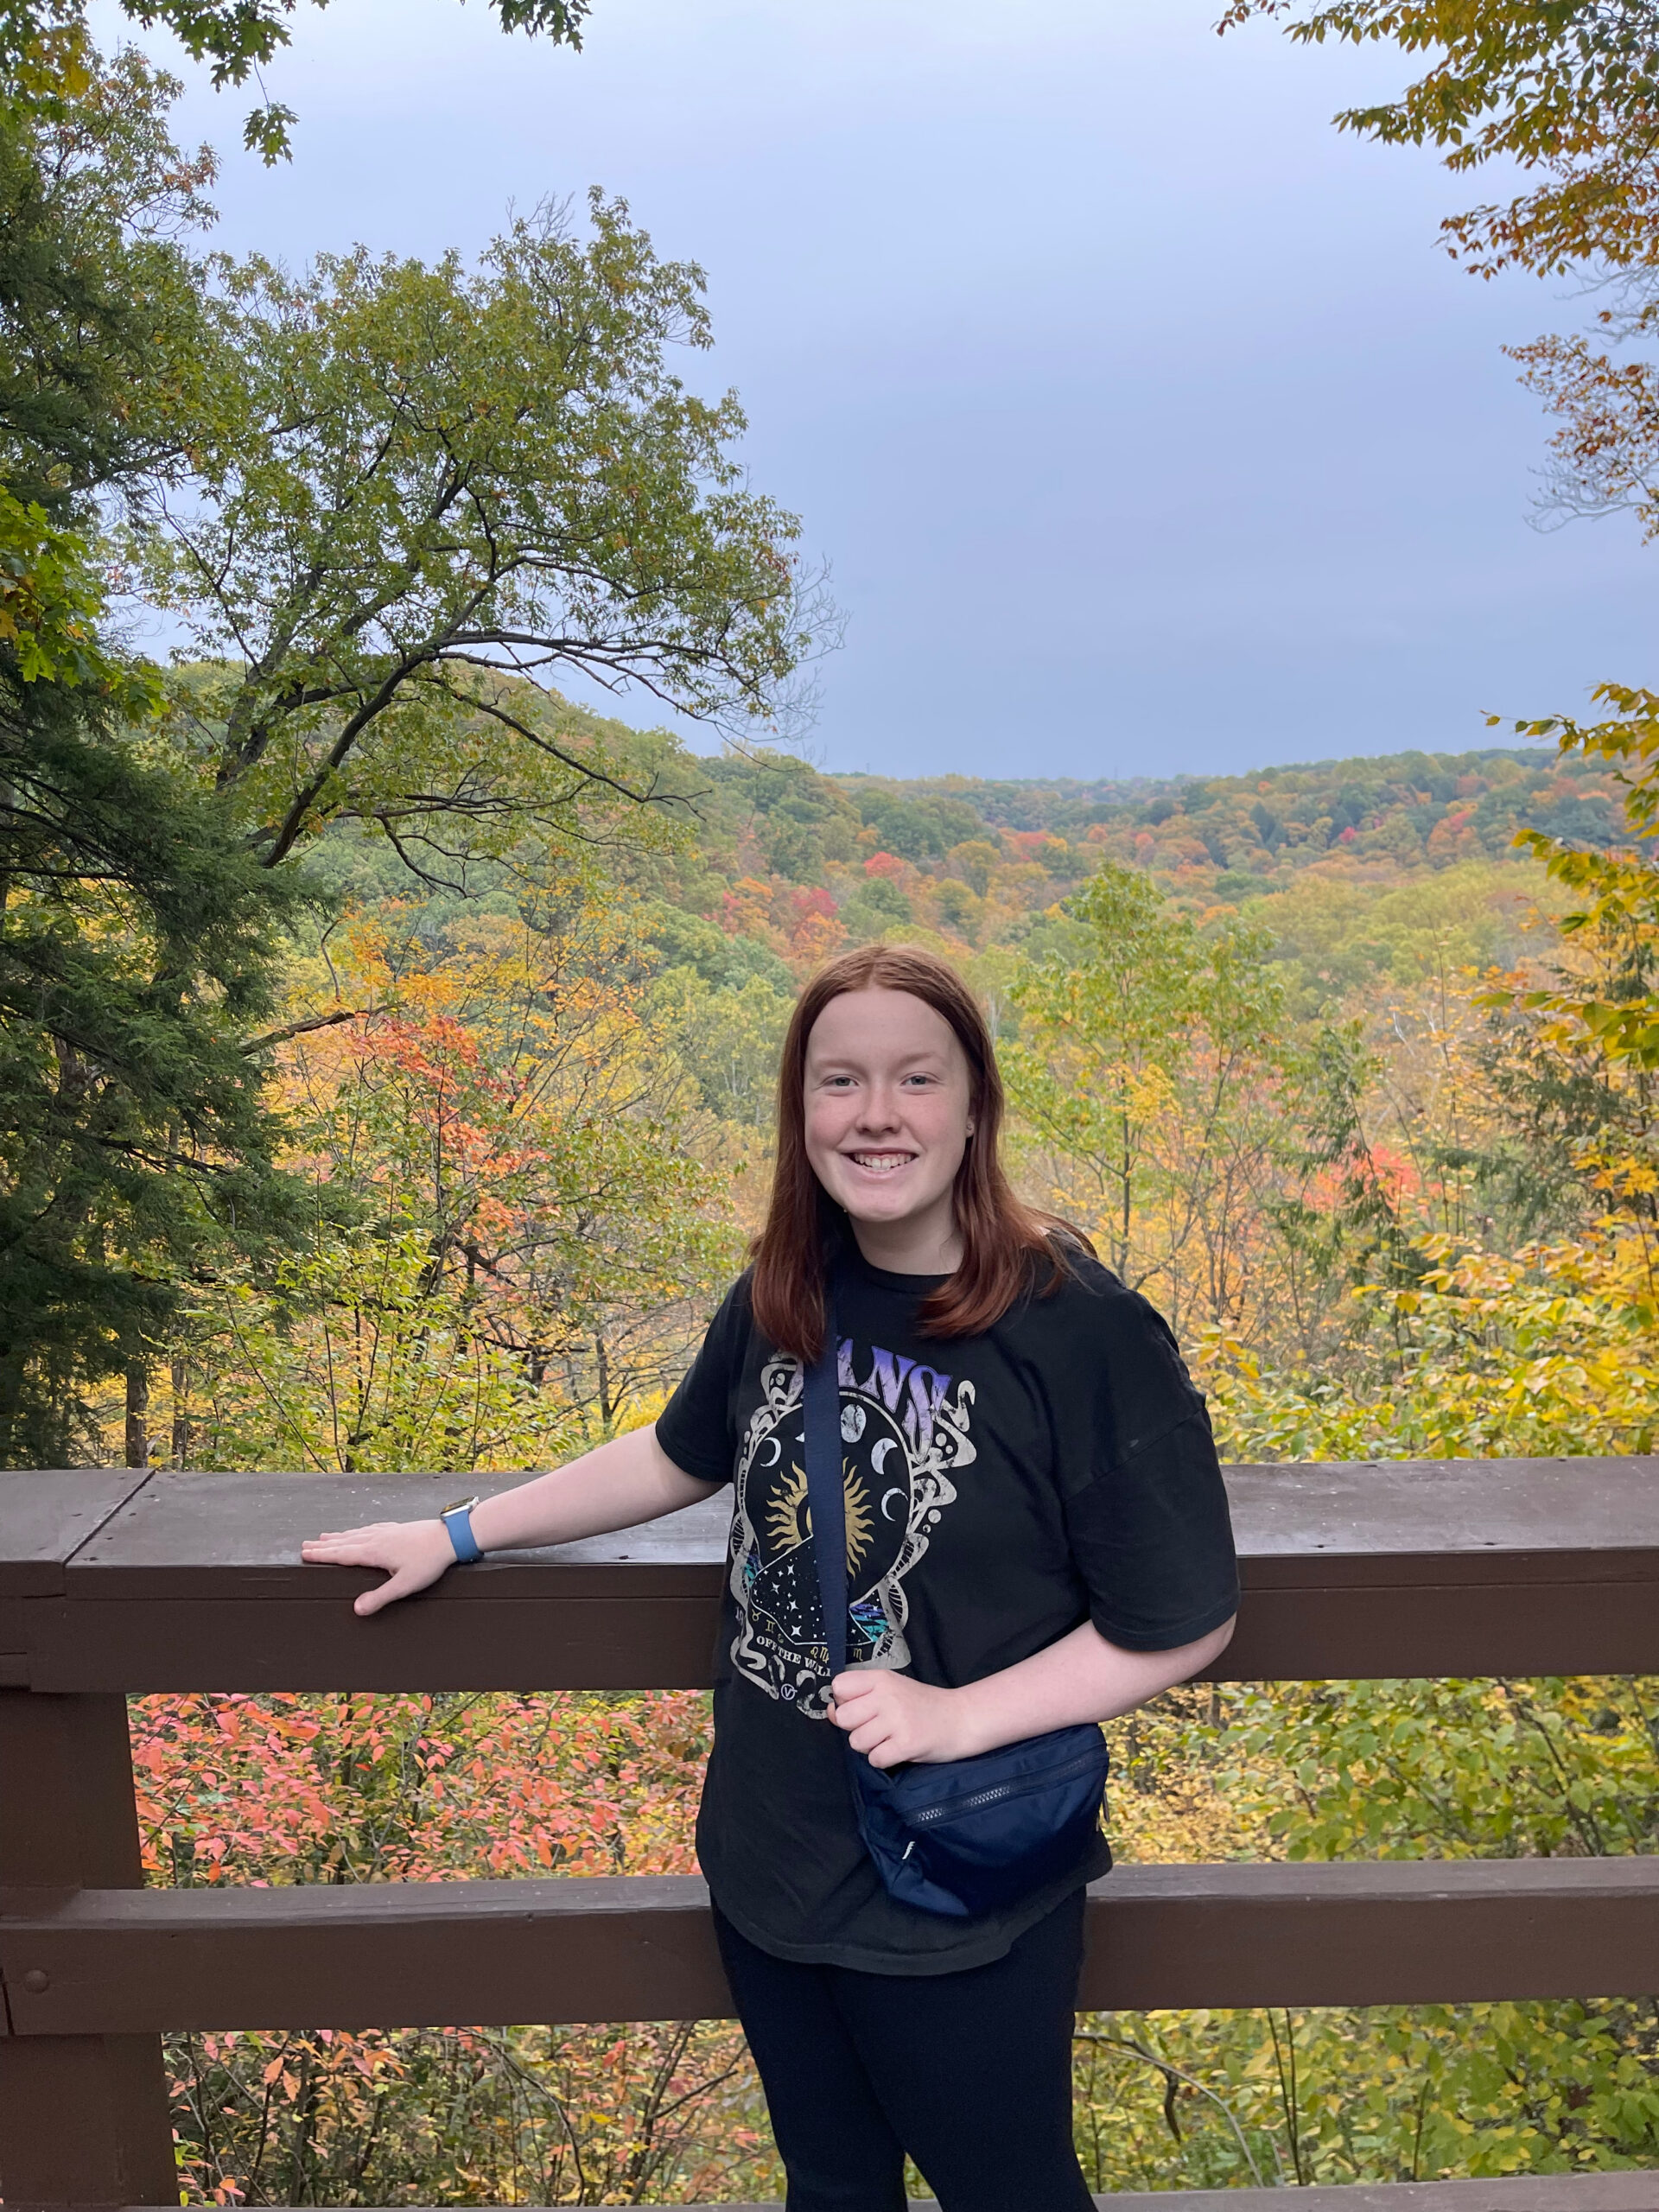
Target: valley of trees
x=1366, y=1134
x=386, y=1052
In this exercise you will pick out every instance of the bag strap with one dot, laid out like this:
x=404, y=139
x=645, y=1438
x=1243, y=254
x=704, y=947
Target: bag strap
x=821, y=1389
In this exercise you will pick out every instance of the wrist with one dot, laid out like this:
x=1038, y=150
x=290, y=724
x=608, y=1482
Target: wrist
x=456, y=1521
x=971, y=1728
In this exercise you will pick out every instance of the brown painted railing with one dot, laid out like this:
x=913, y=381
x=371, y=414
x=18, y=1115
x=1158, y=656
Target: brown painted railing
x=113, y=1583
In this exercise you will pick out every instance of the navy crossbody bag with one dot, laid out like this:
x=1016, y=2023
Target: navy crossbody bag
x=958, y=1836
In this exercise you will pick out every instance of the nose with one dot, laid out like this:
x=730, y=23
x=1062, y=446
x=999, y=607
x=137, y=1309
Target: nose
x=879, y=1107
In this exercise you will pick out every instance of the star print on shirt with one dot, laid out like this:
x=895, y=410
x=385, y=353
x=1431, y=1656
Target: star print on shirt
x=903, y=1435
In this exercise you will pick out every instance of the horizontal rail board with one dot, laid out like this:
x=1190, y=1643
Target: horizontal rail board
x=1610, y=2192
x=1571, y=2192
x=1575, y=2192
x=577, y=1950
x=547, y=1643
x=110, y=1582
x=46, y=1518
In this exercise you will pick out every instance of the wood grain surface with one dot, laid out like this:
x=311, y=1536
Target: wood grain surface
x=428, y=1954
x=194, y=1581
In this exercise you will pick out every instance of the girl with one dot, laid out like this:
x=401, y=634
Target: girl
x=1036, y=1536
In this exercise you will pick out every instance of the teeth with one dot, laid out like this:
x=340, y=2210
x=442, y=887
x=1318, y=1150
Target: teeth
x=881, y=1162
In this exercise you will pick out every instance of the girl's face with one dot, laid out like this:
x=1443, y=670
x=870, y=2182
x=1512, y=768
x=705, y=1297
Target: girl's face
x=888, y=1114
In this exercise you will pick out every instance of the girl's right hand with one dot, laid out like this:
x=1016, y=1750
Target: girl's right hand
x=413, y=1554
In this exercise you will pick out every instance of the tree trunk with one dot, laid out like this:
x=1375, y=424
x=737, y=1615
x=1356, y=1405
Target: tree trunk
x=605, y=1408
x=180, y=1416
x=137, y=1414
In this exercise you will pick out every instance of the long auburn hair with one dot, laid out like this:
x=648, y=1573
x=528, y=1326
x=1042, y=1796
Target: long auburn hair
x=1007, y=1247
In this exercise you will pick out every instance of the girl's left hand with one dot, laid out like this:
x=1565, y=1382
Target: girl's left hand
x=892, y=1718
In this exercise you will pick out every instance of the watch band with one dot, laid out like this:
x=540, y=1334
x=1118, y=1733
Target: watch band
x=458, y=1520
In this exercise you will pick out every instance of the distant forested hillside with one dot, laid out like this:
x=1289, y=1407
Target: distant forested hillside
x=797, y=861
x=1408, y=809
x=1410, y=805
x=1358, y=868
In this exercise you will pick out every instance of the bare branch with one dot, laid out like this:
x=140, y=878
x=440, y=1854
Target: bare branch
x=304, y=1028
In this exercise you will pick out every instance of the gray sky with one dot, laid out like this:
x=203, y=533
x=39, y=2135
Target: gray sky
x=1142, y=421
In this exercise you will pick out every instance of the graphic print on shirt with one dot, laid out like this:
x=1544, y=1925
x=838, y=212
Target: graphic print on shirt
x=904, y=1434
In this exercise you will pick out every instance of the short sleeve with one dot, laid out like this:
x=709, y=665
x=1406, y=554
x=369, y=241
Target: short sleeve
x=1149, y=1528
x=695, y=1428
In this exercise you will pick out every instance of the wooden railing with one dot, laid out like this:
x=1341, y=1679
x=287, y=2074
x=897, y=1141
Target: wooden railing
x=113, y=1583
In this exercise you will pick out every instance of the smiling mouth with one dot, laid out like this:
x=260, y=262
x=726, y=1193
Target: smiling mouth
x=881, y=1163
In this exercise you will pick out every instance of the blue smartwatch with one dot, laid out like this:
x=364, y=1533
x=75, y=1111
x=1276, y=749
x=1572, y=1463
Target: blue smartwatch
x=458, y=1520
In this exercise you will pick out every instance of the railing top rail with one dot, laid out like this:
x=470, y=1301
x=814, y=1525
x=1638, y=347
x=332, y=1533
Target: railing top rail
x=46, y=1518
x=113, y=1519
x=110, y=1580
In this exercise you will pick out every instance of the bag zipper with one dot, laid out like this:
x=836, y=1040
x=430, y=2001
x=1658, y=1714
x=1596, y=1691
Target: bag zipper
x=1018, y=1788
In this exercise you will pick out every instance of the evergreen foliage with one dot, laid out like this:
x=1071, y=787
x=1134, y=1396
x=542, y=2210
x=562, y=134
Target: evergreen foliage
x=139, y=954
x=139, y=941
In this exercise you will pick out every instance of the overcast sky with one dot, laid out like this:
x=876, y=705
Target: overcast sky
x=1141, y=421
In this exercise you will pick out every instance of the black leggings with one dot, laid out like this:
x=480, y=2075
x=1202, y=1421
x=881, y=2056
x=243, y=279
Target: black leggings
x=970, y=2072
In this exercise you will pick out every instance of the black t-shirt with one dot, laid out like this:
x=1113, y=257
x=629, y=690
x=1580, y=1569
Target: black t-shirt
x=1000, y=1490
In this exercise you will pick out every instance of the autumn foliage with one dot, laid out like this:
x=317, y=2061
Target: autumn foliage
x=1375, y=1146
x=278, y=1788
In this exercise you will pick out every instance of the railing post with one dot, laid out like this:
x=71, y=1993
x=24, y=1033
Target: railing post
x=84, y=2119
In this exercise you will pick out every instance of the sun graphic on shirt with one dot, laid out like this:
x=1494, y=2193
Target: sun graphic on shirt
x=789, y=1517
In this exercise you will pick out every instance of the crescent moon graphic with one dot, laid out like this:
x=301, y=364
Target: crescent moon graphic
x=886, y=1495
x=777, y=1453
x=881, y=1452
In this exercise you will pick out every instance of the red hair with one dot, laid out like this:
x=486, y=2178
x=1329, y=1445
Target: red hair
x=1006, y=1245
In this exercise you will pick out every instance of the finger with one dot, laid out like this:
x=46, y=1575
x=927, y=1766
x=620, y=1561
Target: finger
x=871, y=1736
x=854, y=1692
x=860, y=1700
x=401, y=1585
x=341, y=1553
x=849, y=1718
